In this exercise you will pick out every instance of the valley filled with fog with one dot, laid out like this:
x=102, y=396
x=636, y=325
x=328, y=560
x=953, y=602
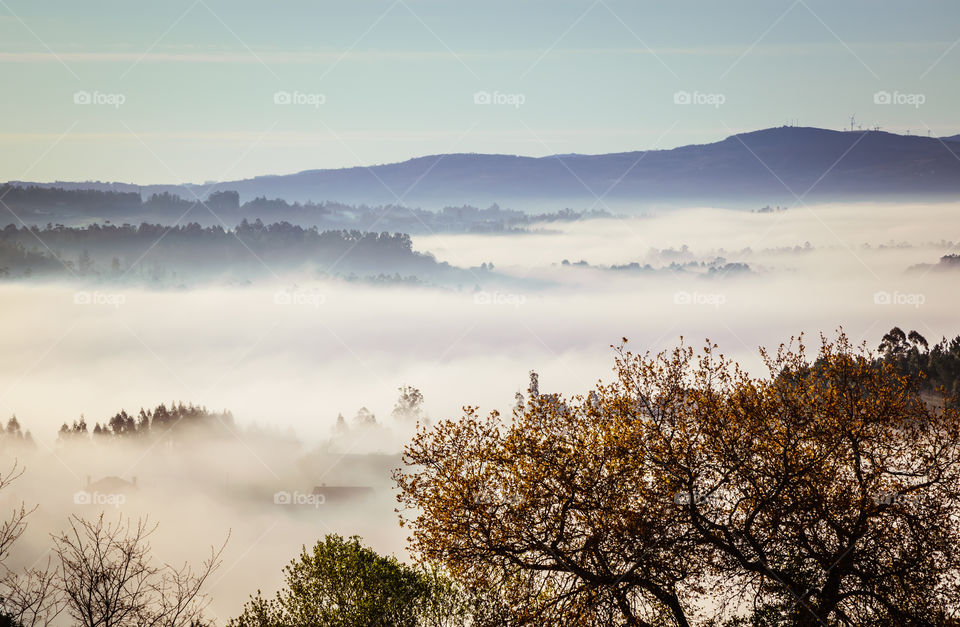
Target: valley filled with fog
x=286, y=346
x=499, y=314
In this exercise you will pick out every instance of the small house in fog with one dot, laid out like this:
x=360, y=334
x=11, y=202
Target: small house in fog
x=336, y=494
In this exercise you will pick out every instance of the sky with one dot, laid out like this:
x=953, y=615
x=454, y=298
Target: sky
x=203, y=90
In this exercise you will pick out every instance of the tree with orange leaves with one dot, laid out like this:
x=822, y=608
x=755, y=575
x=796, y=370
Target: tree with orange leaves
x=687, y=491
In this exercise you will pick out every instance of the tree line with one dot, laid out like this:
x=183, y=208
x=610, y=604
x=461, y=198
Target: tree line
x=198, y=421
x=224, y=207
x=150, y=423
x=934, y=367
x=114, y=251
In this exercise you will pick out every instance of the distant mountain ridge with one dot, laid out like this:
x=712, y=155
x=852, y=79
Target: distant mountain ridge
x=770, y=165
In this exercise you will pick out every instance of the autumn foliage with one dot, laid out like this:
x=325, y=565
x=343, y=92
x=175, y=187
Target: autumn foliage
x=687, y=491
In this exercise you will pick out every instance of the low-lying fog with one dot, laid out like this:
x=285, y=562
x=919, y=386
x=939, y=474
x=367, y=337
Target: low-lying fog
x=289, y=355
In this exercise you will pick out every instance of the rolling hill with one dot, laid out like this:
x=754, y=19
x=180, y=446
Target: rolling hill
x=767, y=166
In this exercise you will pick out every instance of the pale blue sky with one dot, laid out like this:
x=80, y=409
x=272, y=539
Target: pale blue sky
x=198, y=79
